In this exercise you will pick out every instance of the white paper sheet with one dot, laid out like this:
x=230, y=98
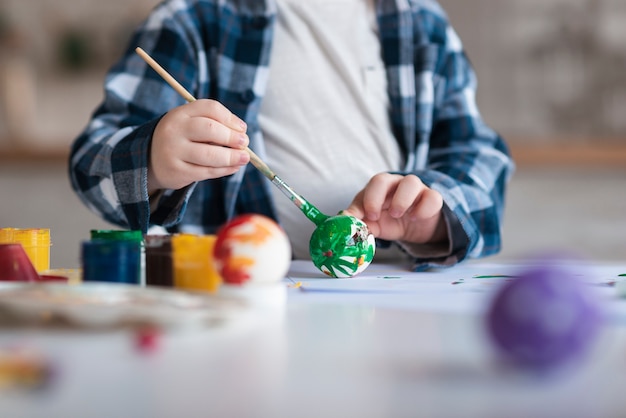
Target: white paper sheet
x=459, y=289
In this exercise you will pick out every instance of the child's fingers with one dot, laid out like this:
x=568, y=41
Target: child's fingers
x=376, y=193
x=408, y=193
x=213, y=109
x=429, y=204
x=209, y=155
x=356, y=207
x=207, y=130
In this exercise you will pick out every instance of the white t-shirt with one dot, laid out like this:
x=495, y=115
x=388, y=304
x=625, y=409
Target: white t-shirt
x=325, y=115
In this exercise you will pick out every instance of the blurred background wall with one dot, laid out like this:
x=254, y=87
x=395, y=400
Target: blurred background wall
x=549, y=70
x=552, y=80
x=53, y=57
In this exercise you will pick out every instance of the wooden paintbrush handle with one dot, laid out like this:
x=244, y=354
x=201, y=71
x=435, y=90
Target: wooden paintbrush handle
x=165, y=75
x=260, y=165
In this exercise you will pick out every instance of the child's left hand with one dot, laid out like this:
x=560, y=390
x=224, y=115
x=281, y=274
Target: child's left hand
x=397, y=207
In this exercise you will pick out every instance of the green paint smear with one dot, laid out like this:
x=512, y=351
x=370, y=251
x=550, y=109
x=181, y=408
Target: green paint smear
x=491, y=276
x=341, y=246
x=621, y=275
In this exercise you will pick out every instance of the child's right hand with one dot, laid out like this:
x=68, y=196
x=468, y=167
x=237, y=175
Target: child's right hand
x=196, y=141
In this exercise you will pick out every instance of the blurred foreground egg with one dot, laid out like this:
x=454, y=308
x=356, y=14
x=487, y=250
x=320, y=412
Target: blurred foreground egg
x=252, y=249
x=544, y=317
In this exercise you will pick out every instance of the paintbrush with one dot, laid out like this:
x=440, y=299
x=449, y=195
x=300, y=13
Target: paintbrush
x=309, y=210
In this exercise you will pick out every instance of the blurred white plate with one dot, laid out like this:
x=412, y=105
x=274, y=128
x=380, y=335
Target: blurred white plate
x=111, y=304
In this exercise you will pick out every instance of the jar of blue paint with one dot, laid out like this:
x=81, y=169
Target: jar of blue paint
x=117, y=261
x=125, y=235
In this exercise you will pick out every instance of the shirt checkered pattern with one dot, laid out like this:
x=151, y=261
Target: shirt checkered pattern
x=219, y=49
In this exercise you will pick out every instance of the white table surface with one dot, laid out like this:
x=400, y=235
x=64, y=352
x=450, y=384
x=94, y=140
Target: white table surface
x=387, y=343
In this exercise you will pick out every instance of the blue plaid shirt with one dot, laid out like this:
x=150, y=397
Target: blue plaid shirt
x=220, y=50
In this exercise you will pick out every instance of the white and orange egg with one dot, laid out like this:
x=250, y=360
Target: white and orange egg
x=252, y=248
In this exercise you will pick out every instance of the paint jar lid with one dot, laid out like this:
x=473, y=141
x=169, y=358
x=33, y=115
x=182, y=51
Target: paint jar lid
x=192, y=244
x=158, y=241
x=32, y=237
x=15, y=266
x=121, y=235
x=6, y=235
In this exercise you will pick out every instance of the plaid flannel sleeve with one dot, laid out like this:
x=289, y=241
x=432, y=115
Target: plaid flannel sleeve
x=109, y=159
x=467, y=161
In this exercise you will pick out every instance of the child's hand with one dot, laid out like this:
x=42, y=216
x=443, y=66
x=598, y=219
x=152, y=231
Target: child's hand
x=397, y=207
x=197, y=141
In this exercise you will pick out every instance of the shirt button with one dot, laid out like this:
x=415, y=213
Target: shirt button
x=259, y=22
x=247, y=96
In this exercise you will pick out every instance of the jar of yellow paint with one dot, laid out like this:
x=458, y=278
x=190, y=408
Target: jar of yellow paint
x=194, y=267
x=36, y=243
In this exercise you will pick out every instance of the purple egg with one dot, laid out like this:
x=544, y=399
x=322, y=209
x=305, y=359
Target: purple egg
x=544, y=317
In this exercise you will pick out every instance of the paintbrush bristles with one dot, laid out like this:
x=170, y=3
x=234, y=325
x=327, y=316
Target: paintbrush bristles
x=254, y=159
